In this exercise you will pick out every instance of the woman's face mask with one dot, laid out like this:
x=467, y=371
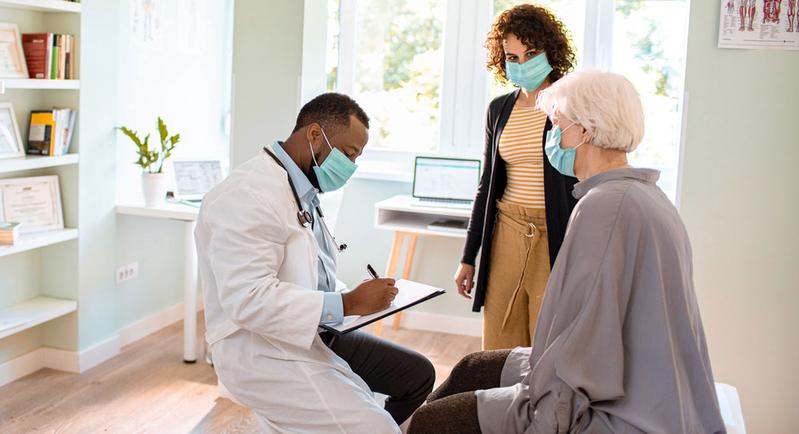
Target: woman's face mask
x=335, y=171
x=530, y=74
x=561, y=159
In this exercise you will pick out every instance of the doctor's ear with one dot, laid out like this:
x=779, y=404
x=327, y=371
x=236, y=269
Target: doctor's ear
x=313, y=133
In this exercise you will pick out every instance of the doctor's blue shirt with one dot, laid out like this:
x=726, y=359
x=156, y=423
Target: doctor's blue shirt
x=333, y=308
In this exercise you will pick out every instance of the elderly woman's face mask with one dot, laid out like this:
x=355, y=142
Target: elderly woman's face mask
x=561, y=159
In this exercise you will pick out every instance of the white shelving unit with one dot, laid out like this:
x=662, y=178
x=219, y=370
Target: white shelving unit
x=38, y=83
x=29, y=94
x=39, y=240
x=49, y=6
x=33, y=312
x=32, y=162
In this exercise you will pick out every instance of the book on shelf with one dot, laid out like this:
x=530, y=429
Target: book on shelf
x=49, y=56
x=9, y=233
x=50, y=132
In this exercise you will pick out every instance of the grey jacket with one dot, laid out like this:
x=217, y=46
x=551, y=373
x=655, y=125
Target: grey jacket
x=619, y=346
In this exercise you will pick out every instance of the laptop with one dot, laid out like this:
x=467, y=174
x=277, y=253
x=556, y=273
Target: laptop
x=195, y=178
x=445, y=182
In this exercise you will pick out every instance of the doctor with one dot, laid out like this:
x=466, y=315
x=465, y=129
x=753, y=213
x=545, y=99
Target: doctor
x=268, y=264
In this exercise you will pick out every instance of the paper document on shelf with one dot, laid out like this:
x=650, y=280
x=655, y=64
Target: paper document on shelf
x=410, y=294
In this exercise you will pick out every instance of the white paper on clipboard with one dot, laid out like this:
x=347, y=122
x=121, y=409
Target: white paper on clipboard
x=410, y=294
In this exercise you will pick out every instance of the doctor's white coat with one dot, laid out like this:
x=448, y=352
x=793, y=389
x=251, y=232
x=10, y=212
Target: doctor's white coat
x=259, y=271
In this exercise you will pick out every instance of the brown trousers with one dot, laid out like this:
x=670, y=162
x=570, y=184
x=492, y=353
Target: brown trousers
x=519, y=273
x=452, y=408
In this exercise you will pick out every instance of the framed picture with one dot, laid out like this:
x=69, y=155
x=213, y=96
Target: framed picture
x=34, y=202
x=10, y=140
x=12, y=58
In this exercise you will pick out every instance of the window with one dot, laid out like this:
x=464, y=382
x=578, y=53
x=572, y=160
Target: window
x=333, y=31
x=649, y=39
x=398, y=73
x=418, y=68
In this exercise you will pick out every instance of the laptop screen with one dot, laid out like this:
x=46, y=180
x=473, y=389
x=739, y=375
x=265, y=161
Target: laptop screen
x=445, y=178
x=195, y=178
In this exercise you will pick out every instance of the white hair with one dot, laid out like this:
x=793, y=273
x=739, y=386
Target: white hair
x=605, y=104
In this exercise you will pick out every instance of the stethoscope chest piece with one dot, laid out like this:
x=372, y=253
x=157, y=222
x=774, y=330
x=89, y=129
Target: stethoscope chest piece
x=304, y=218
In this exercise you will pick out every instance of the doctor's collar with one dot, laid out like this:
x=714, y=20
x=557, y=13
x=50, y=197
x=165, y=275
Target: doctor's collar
x=305, y=190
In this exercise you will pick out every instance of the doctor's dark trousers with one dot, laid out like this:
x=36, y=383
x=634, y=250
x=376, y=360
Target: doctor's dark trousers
x=404, y=375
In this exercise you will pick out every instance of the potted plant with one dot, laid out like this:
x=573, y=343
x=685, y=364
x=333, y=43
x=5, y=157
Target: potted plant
x=151, y=161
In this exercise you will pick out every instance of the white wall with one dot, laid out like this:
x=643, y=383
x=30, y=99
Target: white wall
x=98, y=110
x=740, y=201
x=267, y=66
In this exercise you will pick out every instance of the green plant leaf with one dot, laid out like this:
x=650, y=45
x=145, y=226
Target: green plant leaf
x=142, y=148
x=162, y=131
x=132, y=135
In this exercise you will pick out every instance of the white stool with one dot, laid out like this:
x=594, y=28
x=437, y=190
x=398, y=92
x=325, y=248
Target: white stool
x=730, y=406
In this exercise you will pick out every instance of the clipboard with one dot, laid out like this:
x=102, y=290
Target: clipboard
x=410, y=294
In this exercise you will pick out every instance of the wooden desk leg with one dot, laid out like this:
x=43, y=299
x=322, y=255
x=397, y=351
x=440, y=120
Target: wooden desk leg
x=391, y=269
x=406, y=272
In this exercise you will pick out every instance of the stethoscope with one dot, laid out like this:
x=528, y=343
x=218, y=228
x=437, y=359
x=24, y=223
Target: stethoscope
x=305, y=218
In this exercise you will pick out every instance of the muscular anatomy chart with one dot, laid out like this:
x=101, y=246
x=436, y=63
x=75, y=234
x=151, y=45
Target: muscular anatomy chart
x=759, y=24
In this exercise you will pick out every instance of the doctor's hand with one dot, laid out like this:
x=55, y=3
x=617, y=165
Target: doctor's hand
x=464, y=279
x=369, y=297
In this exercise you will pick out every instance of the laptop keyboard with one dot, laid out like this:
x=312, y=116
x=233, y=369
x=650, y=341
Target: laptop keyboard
x=445, y=201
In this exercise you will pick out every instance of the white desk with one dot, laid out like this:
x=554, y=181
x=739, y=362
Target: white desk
x=187, y=215
x=406, y=219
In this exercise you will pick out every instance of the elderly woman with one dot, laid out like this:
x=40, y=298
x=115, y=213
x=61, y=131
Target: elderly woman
x=619, y=345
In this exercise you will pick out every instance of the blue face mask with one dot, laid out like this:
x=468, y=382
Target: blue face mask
x=335, y=171
x=529, y=74
x=561, y=159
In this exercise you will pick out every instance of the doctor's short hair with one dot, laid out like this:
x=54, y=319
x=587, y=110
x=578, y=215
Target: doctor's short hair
x=332, y=111
x=604, y=103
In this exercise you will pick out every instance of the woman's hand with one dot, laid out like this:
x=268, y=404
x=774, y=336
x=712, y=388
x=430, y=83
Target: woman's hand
x=464, y=279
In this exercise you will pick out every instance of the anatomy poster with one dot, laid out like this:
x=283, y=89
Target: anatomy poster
x=759, y=24
x=145, y=22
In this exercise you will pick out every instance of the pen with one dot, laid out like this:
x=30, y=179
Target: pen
x=372, y=271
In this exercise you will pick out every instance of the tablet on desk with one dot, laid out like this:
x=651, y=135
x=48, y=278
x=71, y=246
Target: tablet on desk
x=410, y=294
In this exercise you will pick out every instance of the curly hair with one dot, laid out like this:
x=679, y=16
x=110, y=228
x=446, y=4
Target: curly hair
x=537, y=28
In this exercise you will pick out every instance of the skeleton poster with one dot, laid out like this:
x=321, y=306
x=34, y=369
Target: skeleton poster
x=759, y=24
x=145, y=22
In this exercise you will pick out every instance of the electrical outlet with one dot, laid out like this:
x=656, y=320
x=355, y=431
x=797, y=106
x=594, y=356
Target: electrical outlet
x=127, y=272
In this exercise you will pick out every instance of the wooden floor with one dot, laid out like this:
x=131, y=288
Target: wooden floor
x=147, y=388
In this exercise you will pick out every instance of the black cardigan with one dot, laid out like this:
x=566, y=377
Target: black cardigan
x=557, y=196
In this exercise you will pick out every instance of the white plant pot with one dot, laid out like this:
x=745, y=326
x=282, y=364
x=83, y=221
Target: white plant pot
x=153, y=185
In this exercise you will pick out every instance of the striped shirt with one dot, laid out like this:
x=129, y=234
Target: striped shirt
x=520, y=147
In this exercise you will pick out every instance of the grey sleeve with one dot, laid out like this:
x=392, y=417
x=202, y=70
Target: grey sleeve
x=516, y=367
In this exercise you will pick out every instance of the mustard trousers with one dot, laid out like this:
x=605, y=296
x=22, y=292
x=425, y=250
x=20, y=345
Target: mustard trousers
x=518, y=277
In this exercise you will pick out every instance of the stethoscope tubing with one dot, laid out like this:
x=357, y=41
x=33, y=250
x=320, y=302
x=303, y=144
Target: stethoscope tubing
x=304, y=217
